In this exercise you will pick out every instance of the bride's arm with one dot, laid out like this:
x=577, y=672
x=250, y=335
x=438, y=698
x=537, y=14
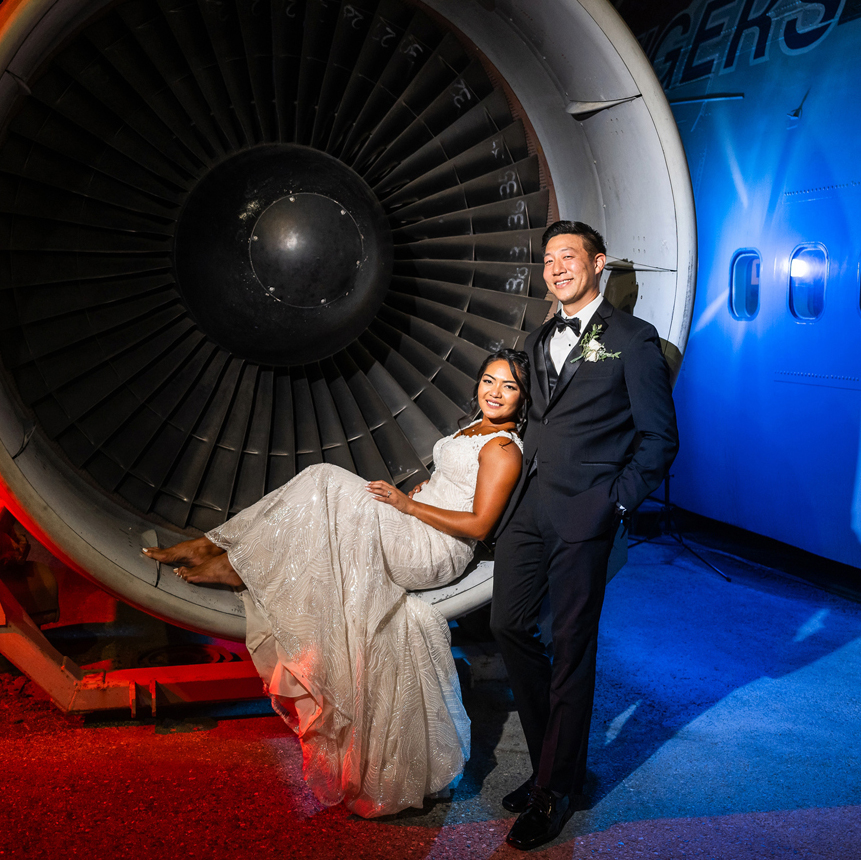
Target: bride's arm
x=499, y=464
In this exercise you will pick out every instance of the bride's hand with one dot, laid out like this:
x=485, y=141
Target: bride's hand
x=388, y=494
x=416, y=489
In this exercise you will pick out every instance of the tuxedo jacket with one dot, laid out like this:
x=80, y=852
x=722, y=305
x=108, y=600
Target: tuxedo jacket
x=606, y=433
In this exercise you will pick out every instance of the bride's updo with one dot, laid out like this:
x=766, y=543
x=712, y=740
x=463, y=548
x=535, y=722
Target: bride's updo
x=518, y=364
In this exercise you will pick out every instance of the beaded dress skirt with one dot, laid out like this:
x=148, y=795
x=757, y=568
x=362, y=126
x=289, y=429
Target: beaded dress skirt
x=358, y=667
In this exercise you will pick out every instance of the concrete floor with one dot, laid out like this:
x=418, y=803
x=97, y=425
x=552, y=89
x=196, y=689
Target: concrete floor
x=726, y=726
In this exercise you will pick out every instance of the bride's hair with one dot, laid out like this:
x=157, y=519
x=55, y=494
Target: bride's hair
x=518, y=364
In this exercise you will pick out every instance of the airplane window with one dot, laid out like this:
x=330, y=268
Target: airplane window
x=744, y=285
x=808, y=267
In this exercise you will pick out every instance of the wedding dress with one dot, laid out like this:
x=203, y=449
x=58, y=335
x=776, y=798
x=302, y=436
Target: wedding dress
x=357, y=666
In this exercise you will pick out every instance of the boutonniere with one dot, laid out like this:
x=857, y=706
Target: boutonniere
x=592, y=349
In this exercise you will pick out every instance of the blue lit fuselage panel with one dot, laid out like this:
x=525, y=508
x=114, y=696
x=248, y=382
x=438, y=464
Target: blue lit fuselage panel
x=766, y=98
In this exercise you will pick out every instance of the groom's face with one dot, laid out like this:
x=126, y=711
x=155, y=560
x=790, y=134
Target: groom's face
x=570, y=273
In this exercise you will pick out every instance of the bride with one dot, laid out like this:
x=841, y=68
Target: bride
x=357, y=666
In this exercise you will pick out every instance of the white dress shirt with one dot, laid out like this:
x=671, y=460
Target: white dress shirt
x=562, y=342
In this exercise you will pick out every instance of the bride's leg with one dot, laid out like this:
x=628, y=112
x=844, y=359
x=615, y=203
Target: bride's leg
x=189, y=553
x=216, y=570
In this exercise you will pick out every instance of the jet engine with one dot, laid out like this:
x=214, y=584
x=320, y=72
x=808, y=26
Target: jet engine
x=240, y=237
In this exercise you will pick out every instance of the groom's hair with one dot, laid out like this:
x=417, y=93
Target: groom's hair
x=593, y=241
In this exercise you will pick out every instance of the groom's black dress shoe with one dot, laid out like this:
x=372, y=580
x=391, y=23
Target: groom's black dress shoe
x=542, y=820
x=518, y=800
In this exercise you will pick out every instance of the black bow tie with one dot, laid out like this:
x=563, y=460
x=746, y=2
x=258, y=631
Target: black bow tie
x=562, y=323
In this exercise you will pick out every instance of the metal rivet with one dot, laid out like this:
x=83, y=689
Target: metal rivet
x=253, y=238
x=292, y=199
x=343, y=211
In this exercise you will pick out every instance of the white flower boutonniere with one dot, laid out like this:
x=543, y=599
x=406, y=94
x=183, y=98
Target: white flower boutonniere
x=592, y=349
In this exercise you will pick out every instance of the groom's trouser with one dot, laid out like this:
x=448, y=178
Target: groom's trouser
x=554, y=700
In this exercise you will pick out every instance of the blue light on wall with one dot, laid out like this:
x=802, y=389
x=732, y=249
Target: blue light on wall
x=769, y=394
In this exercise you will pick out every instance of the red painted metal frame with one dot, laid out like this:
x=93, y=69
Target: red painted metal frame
x=76, y=691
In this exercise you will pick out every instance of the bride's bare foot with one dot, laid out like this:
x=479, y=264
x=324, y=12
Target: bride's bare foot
x=189, y=553
x=216, y=571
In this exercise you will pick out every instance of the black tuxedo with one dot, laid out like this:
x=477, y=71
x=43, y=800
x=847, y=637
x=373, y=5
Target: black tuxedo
x=604, y=433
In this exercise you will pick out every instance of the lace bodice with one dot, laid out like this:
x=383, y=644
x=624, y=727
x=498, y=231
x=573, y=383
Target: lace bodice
x=452, y=485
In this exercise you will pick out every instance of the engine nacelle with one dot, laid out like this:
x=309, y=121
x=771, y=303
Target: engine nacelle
x=241, y=238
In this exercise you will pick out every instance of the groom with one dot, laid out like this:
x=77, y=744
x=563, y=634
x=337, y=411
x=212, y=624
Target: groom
x=601, y=436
